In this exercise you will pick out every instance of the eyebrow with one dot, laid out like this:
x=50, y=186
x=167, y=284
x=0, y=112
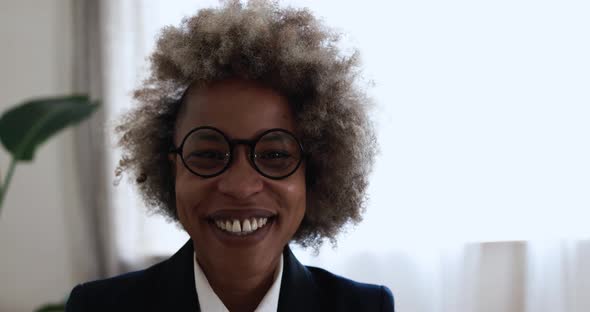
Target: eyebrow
x=275, y=137
x=210, y=137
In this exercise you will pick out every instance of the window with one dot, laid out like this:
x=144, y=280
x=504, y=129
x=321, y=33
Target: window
x=482, y=115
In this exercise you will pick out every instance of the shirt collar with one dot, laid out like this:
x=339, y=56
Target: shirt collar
x=209, y=301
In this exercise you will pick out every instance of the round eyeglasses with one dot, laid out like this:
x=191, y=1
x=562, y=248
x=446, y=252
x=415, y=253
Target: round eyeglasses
x=208, y=152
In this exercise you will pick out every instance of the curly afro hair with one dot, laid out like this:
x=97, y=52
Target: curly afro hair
x=287, y=49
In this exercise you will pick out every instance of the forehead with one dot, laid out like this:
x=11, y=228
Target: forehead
x=239, y=108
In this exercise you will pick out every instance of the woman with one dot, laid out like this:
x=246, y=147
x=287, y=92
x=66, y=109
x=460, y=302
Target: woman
x=251, y=133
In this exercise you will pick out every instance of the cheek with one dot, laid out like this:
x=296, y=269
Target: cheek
x=295, y=195
x=181, y=207
x=189, y=193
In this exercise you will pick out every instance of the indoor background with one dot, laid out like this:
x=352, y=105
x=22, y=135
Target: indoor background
x=480, y=197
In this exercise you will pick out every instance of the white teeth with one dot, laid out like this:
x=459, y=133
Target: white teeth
x=247, y=226
x=236, y=227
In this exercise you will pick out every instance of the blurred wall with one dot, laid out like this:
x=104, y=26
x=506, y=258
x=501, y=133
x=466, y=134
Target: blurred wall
x=37, y=263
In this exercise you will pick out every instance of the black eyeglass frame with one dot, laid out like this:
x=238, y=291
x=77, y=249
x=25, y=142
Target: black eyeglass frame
x=232, y=144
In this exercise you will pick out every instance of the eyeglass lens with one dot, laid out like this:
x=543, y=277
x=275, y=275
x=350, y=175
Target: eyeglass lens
x=206, y=152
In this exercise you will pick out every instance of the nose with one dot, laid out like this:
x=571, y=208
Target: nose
x=240, y=180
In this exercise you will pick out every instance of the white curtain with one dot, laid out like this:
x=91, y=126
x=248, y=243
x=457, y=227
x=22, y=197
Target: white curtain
x=479, y=199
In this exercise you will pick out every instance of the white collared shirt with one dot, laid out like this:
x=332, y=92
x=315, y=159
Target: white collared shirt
x=210, y=302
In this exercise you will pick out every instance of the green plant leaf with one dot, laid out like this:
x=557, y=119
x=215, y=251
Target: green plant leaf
x=59, y=307
x=25, y=127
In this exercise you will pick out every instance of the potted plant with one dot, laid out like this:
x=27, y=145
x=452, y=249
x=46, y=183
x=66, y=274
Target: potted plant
x=25, y=127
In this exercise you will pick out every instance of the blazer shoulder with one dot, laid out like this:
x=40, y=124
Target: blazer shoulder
x=129, y=289
x=165, y=286
x=349, y=295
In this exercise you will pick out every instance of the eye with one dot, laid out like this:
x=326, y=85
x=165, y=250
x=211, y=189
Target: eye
x=204, y=160
x=274, y=161
x=208, y=154
x=270, y=155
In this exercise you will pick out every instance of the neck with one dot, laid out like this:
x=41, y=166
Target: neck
x=239, y=289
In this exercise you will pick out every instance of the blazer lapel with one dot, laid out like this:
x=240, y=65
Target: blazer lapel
x=178, y=281
x=299, y=292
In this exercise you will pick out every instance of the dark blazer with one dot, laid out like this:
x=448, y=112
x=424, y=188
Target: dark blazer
x=170, y=286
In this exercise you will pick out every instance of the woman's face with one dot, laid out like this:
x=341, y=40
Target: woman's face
x=206, y=206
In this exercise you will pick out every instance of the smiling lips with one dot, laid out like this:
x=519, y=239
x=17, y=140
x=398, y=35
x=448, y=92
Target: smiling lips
x=244, y=227
x=241, y=222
